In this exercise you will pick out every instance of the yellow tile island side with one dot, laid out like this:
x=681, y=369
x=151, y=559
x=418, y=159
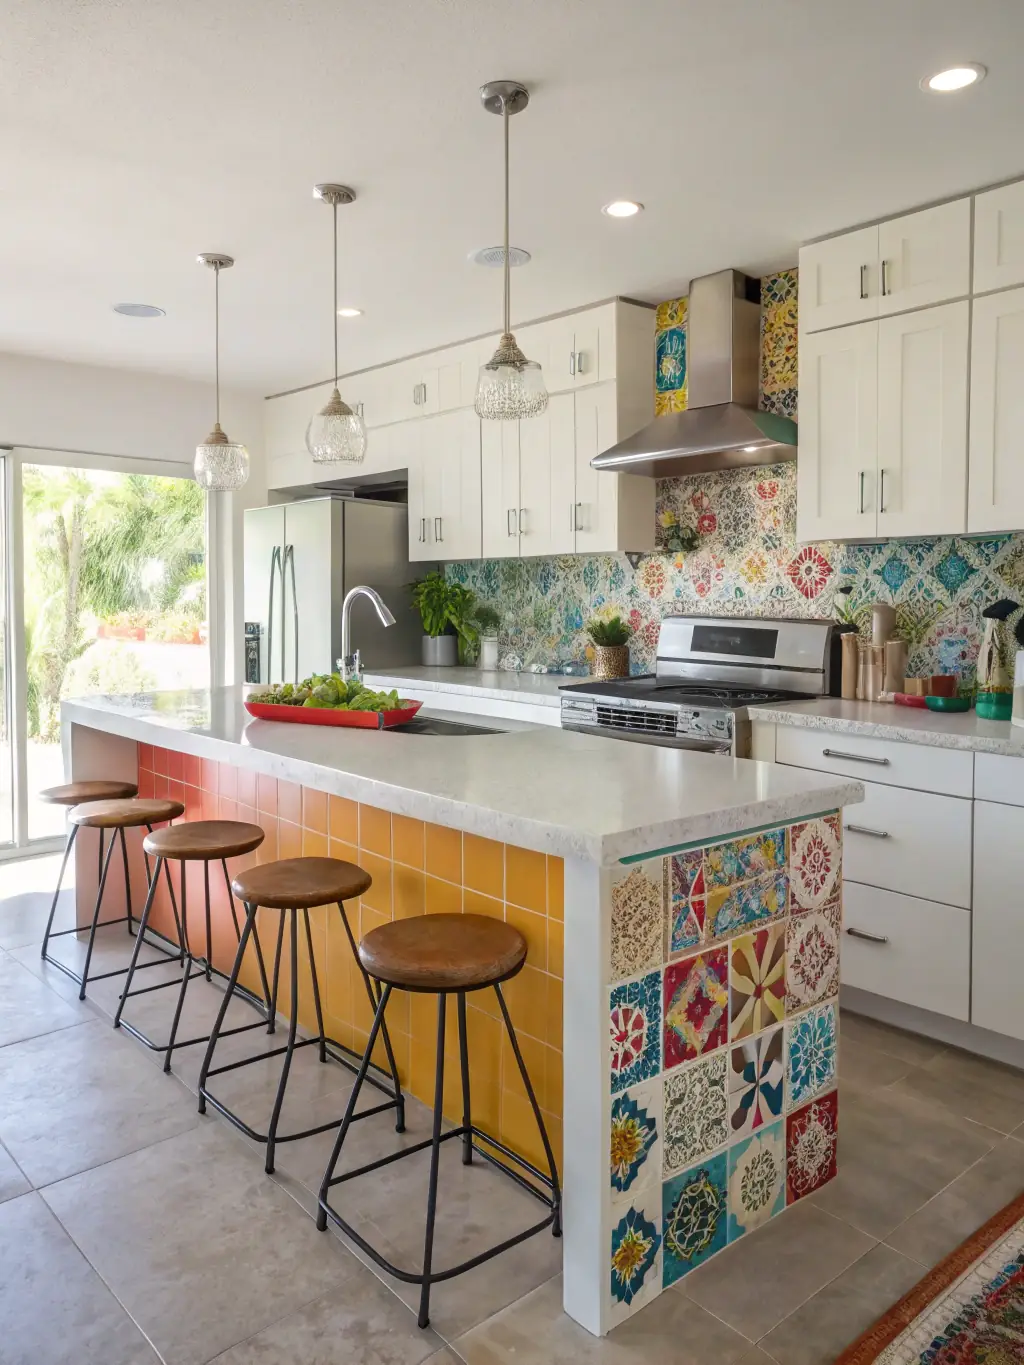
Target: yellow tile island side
x=681, y=910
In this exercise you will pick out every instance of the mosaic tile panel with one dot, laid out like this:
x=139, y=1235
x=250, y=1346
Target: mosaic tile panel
x=693, y=1217
x=810, y=1054
x=732, y=908
x=815, y=862
x=757, y=1180
x=688, y=903
x=636, y=1124
x=757, y=1075
x=757, y=980
x=635, y=1031
x=696, y=1006
x=696, y=1112
x=812, y=1141
x=741, y=859
x=636, y=1242
x=638, y=916
x=812, y=954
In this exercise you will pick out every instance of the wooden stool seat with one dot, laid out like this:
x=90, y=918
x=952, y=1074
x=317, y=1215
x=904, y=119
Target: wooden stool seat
x=201, y=840
x=301, y=883
x=75, y=793
x=443, y=952
x=126, y=814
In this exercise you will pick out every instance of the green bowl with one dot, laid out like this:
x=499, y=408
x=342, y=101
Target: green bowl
x=994, y=705
x=948, y=703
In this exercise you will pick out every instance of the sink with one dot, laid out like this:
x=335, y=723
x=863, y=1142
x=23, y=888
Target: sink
x=434, y=725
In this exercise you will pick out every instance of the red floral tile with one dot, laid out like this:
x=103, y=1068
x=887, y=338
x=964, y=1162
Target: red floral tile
x=809, y=571
x=812, y=1146
x=696, y=1006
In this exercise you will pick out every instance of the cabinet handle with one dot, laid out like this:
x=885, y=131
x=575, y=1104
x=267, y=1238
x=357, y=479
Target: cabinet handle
x=881, y=491
x=868, y=938
x=522, y=521
x=572, y=517
x=860, y=495
x=863, y=281
x=359, y=410
x=511, y=522
x=866, y=829
x=885, y=278
x=576, y=519
x=437, y=531
x=572, y=362
x=423, y=529
x=579, y=362
x=856, y=758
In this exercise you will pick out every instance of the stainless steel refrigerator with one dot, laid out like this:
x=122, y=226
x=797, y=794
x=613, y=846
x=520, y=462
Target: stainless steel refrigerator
x=301, y=558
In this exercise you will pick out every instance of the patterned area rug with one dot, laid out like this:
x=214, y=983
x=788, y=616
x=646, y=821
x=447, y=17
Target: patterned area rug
x=969, y=1310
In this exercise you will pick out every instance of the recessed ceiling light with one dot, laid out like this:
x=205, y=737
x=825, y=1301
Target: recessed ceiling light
x=350, y=312
x=139, y=310
x=622, y=208
x=954, y=78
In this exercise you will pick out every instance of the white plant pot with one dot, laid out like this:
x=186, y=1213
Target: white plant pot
x=489, y=652
x=440, y=651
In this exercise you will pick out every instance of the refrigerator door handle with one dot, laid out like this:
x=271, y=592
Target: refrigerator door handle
x=275, y=560
x=289, y=559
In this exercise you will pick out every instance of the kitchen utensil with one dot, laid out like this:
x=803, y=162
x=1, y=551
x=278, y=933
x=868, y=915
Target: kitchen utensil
x=895, y=665
x=943, y=685
x=949, y=704
x=883, y=623
x=874, y=673
x=911, y=699
x=323, y=715
x=849, y=658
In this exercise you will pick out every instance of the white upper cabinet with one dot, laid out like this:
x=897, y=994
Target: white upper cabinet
x=999, y=238
x=922, y=422
x=615, y=513
x=443, y=459
x=839, y=280
x=547, y=479
x=924, y=257
x=838, y=438
x=996, y=475
x=499, y=477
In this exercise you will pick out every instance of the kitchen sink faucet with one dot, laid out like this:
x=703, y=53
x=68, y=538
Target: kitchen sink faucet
x=350, y=665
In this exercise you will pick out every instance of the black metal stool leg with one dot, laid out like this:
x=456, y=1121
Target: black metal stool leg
x=174, y=902
x=272, y=1021
x=350, y=1109
x=264, y=984
x=204, y=1070
x=127, y=880
x=69, y=844
x=435, y=1154
x=556, y=1195
x=104, y=869
x=316, y=987
x=187, y=974
x=293, y=1023
x=374, y=1002
x=139, y=937
x=209, y=934
x=467, y=1121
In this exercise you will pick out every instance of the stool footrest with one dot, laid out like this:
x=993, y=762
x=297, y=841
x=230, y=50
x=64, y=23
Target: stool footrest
x=184, y=1042
x=84, y=928
x=255, y=1136
x=100, y=976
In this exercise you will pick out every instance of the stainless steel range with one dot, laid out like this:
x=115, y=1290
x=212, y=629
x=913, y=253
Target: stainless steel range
x=708, y=672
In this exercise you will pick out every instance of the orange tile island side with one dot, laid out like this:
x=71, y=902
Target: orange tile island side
x=662, y=895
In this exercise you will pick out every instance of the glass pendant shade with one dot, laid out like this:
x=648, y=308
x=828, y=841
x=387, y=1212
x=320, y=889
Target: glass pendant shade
x=220, y=465
x=336, y=435
x=510, y=387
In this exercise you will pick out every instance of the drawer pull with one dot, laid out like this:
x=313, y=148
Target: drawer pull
x=856, y=758
x=868, y=938
x=866, y=829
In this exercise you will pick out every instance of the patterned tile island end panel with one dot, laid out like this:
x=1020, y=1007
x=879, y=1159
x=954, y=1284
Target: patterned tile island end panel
x=417, y=869
x=748, y=562
x=723, y=1023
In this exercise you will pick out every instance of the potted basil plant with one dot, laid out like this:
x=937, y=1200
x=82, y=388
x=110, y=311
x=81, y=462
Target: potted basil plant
x=446, y=610
x=611, y=649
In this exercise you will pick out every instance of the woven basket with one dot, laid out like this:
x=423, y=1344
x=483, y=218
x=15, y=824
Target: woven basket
x=610, y=661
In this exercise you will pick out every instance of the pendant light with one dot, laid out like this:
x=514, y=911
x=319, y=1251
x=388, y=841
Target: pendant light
x=335, y=435
x=509, y=386
x=220, y=465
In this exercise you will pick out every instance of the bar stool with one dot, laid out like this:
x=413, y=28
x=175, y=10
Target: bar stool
x=445, y=955
x=202, y=841
x=116, y=816
x=292, y=885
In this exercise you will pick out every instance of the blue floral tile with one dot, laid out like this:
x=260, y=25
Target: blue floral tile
x=740, y=859
x=635, y=1243
x=635, y=1136
x=730, y=909
x=670, y=359
x=810, y=1053
x=635, y=1031
x=693, y=1217
x=757, y=1180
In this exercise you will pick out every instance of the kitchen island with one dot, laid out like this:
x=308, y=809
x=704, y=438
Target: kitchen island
x=682, y=914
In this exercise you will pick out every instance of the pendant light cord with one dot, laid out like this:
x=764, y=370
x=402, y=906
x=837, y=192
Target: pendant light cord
x=216, y=335
x=507, y=300
x=335, y=206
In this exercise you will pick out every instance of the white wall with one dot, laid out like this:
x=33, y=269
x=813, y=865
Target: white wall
x=86, y=409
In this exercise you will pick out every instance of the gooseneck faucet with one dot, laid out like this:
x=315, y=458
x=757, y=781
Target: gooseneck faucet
x=351, y=664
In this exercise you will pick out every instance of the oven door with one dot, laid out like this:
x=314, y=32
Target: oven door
x=703, y=746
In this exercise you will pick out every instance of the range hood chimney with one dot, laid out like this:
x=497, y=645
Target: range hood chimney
x=722, y=428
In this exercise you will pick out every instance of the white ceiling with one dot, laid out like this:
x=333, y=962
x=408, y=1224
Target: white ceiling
x=136, y=133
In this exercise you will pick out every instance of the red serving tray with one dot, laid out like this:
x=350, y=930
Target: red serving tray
x=323, y=715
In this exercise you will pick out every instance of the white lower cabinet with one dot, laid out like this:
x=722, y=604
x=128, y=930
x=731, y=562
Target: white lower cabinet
x=998, y=961
x=910, y=841
x=906, y=949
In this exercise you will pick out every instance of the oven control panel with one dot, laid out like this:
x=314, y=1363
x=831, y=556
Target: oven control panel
x=715, y=724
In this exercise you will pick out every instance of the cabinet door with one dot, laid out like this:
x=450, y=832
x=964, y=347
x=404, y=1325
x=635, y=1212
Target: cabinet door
x=838, y=434
x=415, y=442
x=998, y=919
x=499, y=484
x=922, y=422
x=456, y=526
x=924, y=257
x=597, y=492
x=999, y=238
x=547, y=479
x=995, y=487
x=839, y=281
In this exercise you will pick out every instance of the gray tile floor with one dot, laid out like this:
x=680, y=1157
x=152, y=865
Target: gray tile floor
x=134, y=1231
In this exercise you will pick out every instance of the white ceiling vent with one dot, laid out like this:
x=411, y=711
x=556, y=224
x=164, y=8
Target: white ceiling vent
x=495, y=256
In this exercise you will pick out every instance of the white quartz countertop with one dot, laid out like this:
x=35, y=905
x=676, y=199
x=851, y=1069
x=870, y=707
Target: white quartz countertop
x=539, y=787
x=910, y=724
x=539, y=689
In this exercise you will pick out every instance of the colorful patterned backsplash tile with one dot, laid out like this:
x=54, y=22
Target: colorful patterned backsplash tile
x=748, y=562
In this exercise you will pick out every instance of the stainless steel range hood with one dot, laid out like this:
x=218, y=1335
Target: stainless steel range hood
x=722, y=428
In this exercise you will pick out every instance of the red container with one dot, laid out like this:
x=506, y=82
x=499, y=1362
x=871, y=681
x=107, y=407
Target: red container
x=910, y=699
x=323, y=715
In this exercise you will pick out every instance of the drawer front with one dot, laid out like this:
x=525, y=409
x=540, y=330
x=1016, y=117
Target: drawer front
x=947, y=771
x=910, y=841
x=997, y=778
x=906, y=949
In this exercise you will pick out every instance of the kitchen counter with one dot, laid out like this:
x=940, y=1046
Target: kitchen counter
x=538, y=689
x=682, y=915
x=908, y=724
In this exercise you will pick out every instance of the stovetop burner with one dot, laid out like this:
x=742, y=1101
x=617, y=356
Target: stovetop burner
x=673, y=692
